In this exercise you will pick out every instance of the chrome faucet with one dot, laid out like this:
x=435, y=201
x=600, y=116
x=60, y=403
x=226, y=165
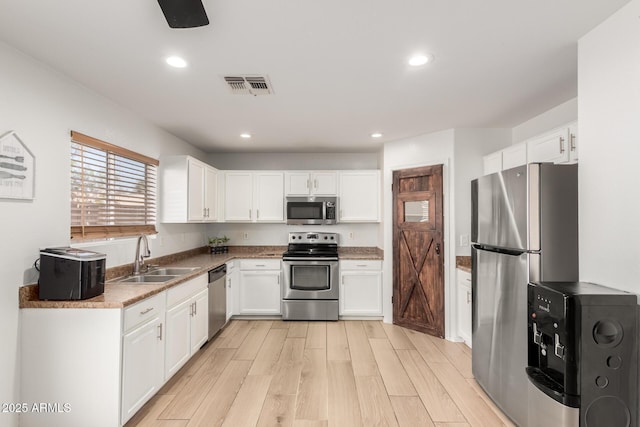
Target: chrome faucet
x=139, y=261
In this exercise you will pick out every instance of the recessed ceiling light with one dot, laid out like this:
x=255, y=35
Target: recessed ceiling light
x=376, y=135
x=245, y=135
x=176, y=61
x=418, y=60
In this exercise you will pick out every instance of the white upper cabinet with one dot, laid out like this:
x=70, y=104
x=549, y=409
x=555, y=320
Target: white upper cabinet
x=189, y=190
x=556, y=146
x=311, y=183
x=254, y=196
x=269, y=196
x=552, y=147
x=513, y=156
x=238, y=196
x=492, y=162
x=573, y=142
x=359, y=199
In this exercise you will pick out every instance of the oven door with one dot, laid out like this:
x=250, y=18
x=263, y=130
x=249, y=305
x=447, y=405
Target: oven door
x=310, y=278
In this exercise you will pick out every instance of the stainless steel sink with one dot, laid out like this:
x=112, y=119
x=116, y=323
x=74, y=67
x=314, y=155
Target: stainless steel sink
x=147, y=279
x=171, y=271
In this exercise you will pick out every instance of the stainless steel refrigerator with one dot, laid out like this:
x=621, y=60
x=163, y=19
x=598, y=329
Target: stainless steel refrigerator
x=524, y=228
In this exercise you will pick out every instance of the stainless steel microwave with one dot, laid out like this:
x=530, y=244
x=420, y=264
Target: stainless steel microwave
x=312, y=210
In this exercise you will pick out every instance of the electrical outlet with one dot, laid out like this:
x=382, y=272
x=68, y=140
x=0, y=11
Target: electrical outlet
x=245, y=235
x=351, y=235
x=464, y=240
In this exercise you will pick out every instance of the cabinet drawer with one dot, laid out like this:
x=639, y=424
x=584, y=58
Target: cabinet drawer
x=144, y=310
x=260, y=264
x=360, y=265
x=186, y=290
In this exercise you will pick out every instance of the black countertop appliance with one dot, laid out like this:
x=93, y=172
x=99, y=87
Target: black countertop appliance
x=70, y=274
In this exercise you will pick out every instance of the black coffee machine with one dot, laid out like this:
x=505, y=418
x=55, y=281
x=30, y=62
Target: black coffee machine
x=582, y=355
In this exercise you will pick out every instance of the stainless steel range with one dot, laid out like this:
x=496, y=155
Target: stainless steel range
x=310, y=285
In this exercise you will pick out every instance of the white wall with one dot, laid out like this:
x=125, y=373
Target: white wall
x=609, y=171
x=469, y=148
x=277, y=234
x=431, y=149
x=42, y=106
x=294, y=161
x=562, y=114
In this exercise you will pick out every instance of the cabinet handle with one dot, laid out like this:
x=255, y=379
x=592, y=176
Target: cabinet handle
x=249, y=213
x=278, y=277
x=195, y=308
x=572, y=137
x=315, y=184
x=468, y=297
x=308, y=186
x=146, y=311
x=361, y=265
x=160, y=331
x=257, y=213
x=561, y=145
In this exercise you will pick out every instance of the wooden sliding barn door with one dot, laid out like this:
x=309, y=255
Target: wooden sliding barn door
x=418, y=249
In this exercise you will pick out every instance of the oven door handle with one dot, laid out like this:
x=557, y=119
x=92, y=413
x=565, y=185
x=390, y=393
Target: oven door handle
x=307, y=259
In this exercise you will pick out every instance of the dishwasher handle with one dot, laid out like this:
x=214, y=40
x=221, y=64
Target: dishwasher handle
x=217, y=273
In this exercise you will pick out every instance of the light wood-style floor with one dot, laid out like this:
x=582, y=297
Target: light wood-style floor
x=346, y=373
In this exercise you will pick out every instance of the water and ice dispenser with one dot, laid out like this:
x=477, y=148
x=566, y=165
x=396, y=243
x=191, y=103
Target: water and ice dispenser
x=582, y=355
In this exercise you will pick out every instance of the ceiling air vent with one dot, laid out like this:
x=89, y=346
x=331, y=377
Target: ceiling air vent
x=249, y=85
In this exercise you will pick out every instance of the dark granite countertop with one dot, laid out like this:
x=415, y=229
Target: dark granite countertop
x=119, y=295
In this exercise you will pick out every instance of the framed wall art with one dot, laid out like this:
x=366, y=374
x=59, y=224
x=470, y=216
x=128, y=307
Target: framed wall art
x=17, y=168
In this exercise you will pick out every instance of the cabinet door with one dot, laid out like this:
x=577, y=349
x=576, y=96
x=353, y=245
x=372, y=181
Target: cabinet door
x=232, y=285
x=513, y=156
x=359, y=196
x=297, y=183
x=238, y=199
x=260, y=292
x=361, y=293
x=492, y=163
x=178, y=348
x=210, y=194
x=195, y=198
x=269, y=194
x=142, y=366
x=199, y=320
x=573, y=143
x=553, y=147
x=464, y=306
x=324, y=183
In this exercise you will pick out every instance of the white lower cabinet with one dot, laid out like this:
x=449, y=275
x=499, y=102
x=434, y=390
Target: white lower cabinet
x=360, y=288
x=123, y=356
x=464, y=305
x=260, y=282
x=233, y=289
x=142, y=354
x=187, y=322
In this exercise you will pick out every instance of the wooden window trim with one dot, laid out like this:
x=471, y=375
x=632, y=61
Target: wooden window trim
x=143, y=224
x=102, y=145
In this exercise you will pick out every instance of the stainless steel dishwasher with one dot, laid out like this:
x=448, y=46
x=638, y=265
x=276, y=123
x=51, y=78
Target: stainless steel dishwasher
x=217, y=299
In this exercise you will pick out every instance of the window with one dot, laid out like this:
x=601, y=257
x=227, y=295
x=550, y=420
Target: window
x=113, y=190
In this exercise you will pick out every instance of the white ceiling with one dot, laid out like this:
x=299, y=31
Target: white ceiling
x=338, y=67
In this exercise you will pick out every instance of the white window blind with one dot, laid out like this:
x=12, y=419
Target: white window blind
x=113, y=190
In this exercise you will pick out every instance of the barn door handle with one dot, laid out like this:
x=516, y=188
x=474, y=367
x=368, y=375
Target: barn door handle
x=438, y=248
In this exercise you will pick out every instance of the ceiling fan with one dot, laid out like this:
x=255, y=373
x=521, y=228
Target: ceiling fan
x=184, y=13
